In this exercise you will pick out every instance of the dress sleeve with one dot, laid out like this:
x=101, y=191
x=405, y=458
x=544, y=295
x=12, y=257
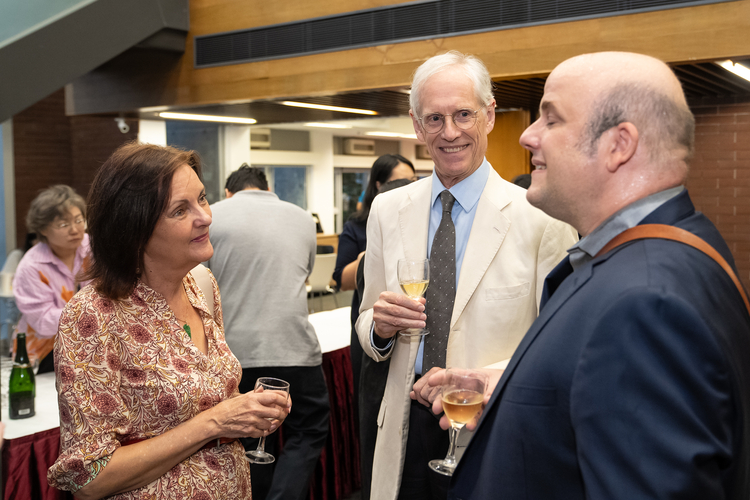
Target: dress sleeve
x=36, y=299
x=348, y=250
x=92, y=411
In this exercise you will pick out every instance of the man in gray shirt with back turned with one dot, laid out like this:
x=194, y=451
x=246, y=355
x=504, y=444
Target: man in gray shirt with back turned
x=264, y=250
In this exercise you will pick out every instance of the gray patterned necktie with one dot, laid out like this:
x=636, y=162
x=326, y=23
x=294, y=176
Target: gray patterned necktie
x=442, y=291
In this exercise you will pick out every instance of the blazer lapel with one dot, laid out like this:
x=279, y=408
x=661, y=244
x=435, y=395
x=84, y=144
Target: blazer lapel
x=414, y=219
x=487, y=234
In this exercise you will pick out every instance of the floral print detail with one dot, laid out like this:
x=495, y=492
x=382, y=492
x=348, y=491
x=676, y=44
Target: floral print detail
x=104, y=305
x=139, y=377
x=167, y=404
x=87, y=325
x=139, y=334
x=105, y=403
x=136, y=377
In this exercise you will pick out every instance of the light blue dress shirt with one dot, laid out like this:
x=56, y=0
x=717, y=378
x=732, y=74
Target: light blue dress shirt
x=467, y=194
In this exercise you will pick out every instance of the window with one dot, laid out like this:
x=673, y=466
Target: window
x=289, y=182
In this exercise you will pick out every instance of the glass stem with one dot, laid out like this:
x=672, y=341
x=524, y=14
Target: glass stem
x=261, y=444
x=450, y=458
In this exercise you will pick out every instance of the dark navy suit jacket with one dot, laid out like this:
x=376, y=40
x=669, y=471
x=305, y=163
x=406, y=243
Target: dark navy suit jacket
x=634, y=382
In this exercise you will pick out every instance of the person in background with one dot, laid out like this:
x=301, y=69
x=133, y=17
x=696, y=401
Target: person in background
x=372, y=377
x=489, y=252
x=147, y=387
x=634, y=381
x=353, y=241
x=523, y=180
x=264, y=250
x=47, y=275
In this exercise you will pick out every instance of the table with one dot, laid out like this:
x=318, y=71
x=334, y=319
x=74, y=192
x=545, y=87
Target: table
x=32, y=444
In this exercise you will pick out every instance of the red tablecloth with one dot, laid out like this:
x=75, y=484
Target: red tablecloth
x=337, y=474
x=25, y=463
x=26, y=459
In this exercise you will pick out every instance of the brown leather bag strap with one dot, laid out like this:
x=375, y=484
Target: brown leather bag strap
x=666, y=232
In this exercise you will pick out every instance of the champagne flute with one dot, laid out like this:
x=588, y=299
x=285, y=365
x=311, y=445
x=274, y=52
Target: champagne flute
x=259, y=455
x=462, y=395
x=414, y=277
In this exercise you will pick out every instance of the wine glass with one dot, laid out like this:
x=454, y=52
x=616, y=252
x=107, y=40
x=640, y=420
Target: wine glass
x=414, y=277
x=462, y=395
x=259, y=455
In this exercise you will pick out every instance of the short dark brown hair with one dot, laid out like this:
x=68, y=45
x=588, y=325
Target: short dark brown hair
x=246, y=177
x=129, y=194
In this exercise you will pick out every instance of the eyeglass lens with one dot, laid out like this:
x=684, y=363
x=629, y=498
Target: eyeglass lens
x=463, y=119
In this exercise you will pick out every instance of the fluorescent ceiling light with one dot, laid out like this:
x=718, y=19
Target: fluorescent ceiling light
x=326, y=125
x=208, y=118
x=736, y=68
x=328, y=108
x=392, y=134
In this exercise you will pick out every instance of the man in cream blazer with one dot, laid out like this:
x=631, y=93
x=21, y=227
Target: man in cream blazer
x=505, y=249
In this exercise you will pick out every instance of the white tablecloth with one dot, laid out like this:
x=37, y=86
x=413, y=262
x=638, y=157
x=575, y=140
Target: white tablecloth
x=332, y=327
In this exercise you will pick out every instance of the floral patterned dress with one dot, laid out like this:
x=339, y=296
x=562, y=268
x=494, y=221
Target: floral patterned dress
x=126, y=370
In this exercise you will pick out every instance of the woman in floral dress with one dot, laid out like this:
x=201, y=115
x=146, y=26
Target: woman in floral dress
x=147, y=386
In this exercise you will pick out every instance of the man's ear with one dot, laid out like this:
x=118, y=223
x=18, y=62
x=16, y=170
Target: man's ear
x=227, y=193
x=620, y=144
x=490, y=110
x=417, y=127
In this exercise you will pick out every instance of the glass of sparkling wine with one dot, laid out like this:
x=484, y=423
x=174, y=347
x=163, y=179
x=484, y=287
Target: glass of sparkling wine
x=414, y=277
x=259, y=455
x=462, y=395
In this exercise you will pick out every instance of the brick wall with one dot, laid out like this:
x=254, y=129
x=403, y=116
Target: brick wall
x=52, y=148
x=93, y=139
x=42, y=153
x=719, y=180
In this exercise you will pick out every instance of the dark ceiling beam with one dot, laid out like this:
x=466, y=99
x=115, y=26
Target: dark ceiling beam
x=56, y=53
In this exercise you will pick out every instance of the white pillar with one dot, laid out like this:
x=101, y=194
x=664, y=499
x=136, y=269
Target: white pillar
x=320, y=187
x=152, y=132
x=236, y=149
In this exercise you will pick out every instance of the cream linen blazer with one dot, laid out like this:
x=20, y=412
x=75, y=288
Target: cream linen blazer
x=511, y=249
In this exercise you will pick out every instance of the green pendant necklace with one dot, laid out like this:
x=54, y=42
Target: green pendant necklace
x=186, y=327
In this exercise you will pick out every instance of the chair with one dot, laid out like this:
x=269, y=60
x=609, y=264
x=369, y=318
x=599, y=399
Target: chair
x=320, y=277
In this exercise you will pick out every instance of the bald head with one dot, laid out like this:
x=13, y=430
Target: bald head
x=613, y=128
x=635, y=88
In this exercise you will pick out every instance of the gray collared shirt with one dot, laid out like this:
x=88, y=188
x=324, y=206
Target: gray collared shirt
x=587, y=247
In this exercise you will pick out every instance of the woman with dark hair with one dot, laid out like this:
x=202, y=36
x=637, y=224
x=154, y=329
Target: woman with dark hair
x=47, y=276
x=147, y=386
x=352, y=245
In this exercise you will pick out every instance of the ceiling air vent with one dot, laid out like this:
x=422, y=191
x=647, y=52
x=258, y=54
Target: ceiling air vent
x=421, y=20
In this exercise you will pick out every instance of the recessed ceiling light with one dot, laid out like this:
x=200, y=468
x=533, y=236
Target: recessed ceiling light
x=392, y=134
x=328, y=108
x=208, y=118
x=736, y=68
x=326, y=125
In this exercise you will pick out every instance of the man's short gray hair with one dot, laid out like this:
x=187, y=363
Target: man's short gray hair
x=664, y=124
x=474, y=68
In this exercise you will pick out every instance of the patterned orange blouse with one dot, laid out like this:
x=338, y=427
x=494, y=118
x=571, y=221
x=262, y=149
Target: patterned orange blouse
x=126, y=370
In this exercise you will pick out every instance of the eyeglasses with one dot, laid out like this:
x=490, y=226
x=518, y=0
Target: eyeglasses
x=463, y=119
x=62, y=225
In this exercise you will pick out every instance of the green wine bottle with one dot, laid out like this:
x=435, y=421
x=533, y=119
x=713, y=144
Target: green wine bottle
x=22, y=385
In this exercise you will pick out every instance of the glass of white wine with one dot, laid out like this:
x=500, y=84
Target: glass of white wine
x=260, y=455
x=462, y=395
x=414, y=277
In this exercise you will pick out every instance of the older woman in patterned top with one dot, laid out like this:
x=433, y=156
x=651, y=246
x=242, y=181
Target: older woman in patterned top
x=47, y=276
x=146, y=384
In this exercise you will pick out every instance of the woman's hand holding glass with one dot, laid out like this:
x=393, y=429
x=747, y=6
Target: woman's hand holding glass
x=267, y=385
x=254, y=414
